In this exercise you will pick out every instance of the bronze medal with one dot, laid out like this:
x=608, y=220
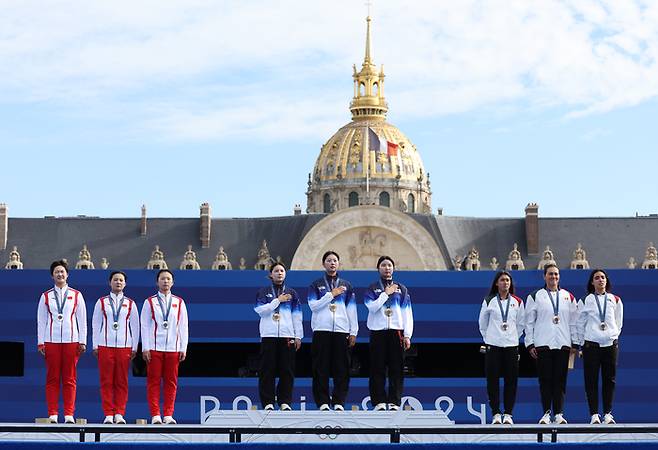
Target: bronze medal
x=332, y=307
x=276, y=316
x=388, y=312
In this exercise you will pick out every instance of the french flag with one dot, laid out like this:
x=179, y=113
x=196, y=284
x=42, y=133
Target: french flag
x=377, y=144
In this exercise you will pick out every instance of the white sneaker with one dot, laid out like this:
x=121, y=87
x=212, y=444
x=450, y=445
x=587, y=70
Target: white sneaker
x=69, y=419
x=560, y=420
x=339, y=408
x=380, y=407
x=269, y=407
x=108, y=419
x=285, y=407
x=497, y=419
x=118, y=418
x=507, y=419
x=324, y=407
x=608, y=419
x=53, y=418
x=595, y=420
x=168, y=420
x=392, y=407
x=156, y=420
x=545, y=419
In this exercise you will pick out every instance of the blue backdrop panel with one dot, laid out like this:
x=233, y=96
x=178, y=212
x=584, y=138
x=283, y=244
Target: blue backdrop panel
x=220, y=306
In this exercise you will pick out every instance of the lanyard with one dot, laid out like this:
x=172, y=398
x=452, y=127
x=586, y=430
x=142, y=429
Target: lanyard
x=165, y=315
x=381, y=284
x=505, y=313
x=60, y=306
x=116, y=310
x=555, y=303
x=283, y=290
x=605, y=306
x=330, y=285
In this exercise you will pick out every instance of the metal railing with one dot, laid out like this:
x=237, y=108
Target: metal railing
x=235, y=433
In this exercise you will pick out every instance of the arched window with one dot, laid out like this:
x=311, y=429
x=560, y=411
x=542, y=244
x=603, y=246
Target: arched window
x=384, y=199
x=362, y=89
x=326, y=204
x=411, y=203
x=375, y=89
x=353, y=199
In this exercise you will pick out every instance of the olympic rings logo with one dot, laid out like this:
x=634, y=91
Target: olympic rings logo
x=327, y=427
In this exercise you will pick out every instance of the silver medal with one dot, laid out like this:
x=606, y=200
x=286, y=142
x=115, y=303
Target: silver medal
x=603, y=326
x=115, y=325
x=504, y=326
x=165, y=324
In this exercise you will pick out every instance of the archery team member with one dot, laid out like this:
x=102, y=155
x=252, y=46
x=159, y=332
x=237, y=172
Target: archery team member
x=115, y=337
x=599, y=326
x=391, y=324
x=61, y=338
x=501, y=323
x=550, y=333
x=164, y=345
x=335, y=325
x=281, y=333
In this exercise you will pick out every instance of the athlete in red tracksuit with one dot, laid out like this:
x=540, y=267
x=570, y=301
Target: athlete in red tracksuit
x=115, y=336
x=164, y=345
x=61, y=338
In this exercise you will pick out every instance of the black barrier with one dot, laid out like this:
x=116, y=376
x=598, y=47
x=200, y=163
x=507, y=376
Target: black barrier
x=235, y=433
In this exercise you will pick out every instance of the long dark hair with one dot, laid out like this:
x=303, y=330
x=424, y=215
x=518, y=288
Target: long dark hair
x=590, y=281
x=494, y=286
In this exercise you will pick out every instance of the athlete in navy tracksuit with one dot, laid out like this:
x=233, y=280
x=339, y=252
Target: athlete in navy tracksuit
x=335, y=326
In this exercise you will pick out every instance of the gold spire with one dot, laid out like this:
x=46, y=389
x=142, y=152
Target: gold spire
x=366, y=60
x=368, y=101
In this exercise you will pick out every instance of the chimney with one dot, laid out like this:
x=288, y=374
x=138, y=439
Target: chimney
x=298, y=209
x=4, y=226
x=142, y=226
x=532, y=228
x=205, y=225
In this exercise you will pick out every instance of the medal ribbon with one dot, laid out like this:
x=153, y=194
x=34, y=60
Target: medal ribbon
x=165, y=315
x=555, y=303
x=505, y=313
x=381, y=284
x=116, y=310
x=330, y=286
x=60, y=306
x=605, y=306
x=283, y=289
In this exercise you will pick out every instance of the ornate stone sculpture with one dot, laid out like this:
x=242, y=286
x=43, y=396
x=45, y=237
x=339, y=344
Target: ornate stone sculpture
x=189, y=261
x=84, y=259
x=264, y=259
x=104, y=263
x=157, y=260
x=221, y=261
x=14, y=262
x=650, y=258
x=546, y=259
x=579, y=258
x=473, y=260
x=494, y=263
x=514, y=261
x=457, y=262
x=243, y=264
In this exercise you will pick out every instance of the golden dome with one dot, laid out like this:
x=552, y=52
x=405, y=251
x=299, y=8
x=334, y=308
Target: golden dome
x=368, y=161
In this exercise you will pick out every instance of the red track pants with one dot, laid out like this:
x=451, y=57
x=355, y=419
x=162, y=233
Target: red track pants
x=113, y=366
x=163, y=366
x=61, y=360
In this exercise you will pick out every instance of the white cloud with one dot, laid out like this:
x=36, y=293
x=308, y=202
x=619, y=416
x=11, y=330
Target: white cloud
x=284, y=68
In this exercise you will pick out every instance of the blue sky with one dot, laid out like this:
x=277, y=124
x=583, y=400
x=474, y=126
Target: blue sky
x=110, y=104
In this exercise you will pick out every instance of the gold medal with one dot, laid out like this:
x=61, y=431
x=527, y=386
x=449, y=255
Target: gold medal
x=276, y=316
x=388, y=312
x=60, y=317
x=556, y=320
x=332, y=307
